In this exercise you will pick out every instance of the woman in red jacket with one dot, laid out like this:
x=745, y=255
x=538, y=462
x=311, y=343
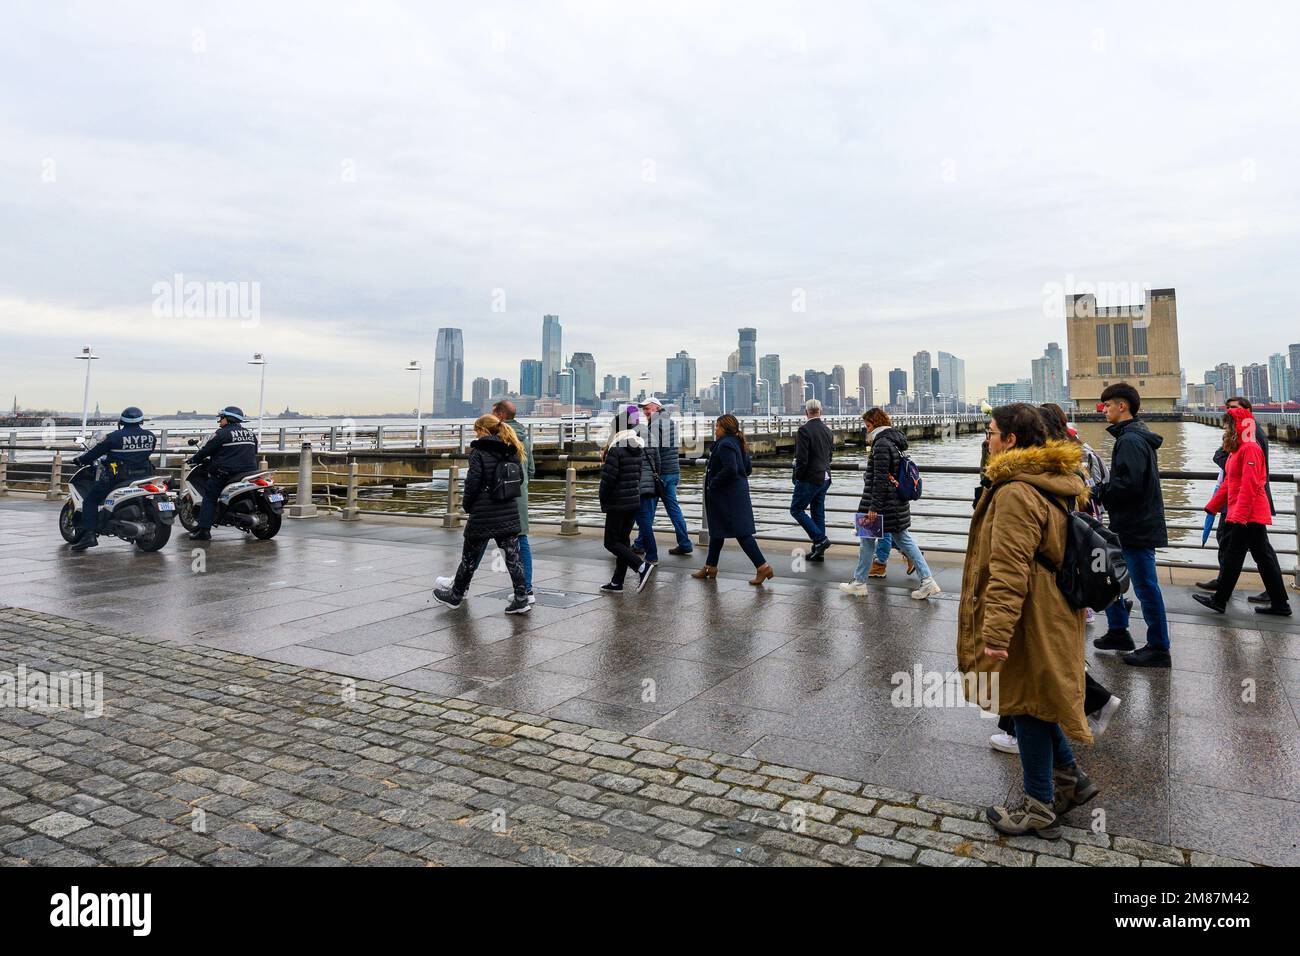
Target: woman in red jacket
x=1245, y=478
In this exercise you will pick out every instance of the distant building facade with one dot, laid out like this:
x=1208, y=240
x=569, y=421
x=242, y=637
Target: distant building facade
x=1136, y=343
x=449, y=374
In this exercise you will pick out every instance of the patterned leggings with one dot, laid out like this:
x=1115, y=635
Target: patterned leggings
x=472, y=553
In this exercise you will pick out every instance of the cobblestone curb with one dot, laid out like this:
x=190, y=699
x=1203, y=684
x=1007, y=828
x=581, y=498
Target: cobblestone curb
x=207, y=757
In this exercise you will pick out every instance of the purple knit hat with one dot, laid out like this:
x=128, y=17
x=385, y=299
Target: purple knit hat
x=633, y=415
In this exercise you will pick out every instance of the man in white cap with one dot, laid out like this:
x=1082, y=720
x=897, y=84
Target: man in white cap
x=661, y=432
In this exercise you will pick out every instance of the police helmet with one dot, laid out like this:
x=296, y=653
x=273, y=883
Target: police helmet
x=234, y=413
x=131, y=416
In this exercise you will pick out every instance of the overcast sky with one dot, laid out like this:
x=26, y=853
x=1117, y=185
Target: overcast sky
x=923, y=175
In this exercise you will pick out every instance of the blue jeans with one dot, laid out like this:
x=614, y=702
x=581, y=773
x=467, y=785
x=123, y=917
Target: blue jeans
x=808, y=507
x=671, y=508
x=883, y=544
x=878, y=549
x=526, y=557
x=905, y=543
x=1042, y=747
x=645, y=538
x=1142, y=571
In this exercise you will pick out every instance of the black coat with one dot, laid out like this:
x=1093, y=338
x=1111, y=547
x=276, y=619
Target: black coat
x=1131, y=495
x=813, y=447
x=127, y=449
x=879, y=494
x=726, y=490
x=620, y=477
x=232, y=450
x=488, y=518
x=650, y=463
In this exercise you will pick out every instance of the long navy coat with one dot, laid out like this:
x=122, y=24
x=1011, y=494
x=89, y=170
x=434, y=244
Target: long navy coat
x=726, y=490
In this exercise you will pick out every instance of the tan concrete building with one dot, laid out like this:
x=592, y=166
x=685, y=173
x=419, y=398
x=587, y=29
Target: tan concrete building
x=1136, y=343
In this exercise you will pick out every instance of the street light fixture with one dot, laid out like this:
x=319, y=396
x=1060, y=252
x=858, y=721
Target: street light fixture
x=259, y=359
x=567, y=372
x=839, y=399
x=87, y=355
x=767, y=389
x=415, y=366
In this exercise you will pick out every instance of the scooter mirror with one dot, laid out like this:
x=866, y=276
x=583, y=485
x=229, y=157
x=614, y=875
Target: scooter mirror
x=192, y=441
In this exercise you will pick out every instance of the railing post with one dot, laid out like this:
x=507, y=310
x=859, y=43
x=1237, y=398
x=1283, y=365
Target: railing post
x=281, y=439
x=703, y=536
x=379, y=438
x=586, y=431
x=529, y=431
x=570, y=523
x=460, y=438
x=1296, y=583
x=350, y=510
x=452, y=518
x=334, y=437
x=424, y=437
x=4, y=477
x=162, y=449
x=302, y=506
x=13, y=447
x=56, y=477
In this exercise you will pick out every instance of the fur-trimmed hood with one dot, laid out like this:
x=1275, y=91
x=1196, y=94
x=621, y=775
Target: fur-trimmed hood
x=1057, y=468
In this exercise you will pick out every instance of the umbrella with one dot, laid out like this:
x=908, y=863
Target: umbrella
x=1209, y=518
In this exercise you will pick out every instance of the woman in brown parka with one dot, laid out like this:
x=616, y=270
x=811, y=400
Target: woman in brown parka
x=1014, y=620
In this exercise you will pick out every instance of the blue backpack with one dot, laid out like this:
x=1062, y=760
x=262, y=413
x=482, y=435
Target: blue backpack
x=908, y=481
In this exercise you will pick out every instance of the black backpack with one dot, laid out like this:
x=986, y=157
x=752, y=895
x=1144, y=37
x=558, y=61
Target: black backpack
x=508, y=480
x=1093, y=573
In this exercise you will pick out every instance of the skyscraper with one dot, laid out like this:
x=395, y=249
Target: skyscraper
x=897, y=386
x=792, y=393
x=769, y=370
x=625, y=385
x=680, y=380
x=610, y=384
x=922, y=379
x=530, y=378
x=1048, y=375
x=837, y=395
x=500, y=388
x=1279, y=382
x=867, y=395
x=1227, y=379
x=1254, y=382
x=747, y=361
x=552, y=354
x=479, y=395
x=1294, y=352
x=448, y=373
x=952, y=377
x=584, y=367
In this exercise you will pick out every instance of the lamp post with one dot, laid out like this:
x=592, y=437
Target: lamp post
x=259, y=359
x=862, y=398
x=839, y=399
x=567, y=372
x=767, y=390
x=647, y=384
x=415, y=366
x=87, y=355
x=720, y=383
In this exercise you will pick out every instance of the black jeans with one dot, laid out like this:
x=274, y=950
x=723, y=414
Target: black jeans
x=1239, y=539
x=618, y=533
x=747, y=544
x=472, y=553
x=1094, y=699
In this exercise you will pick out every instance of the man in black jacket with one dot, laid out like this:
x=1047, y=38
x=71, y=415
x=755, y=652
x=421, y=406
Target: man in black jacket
x=813, y=448
x=1135, y=503
x=229, y=454
x=1221, y=532
x=127, y=452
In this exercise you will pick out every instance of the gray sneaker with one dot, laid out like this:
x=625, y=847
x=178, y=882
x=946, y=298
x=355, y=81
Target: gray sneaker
x=1032, y=817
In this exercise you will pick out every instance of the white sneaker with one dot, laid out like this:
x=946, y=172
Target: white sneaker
x=854, y=587
x=929, y=587
x=1004, y=743
x=444, y=582
x=1098, y=722
x=532, y=598
x=1090, y=616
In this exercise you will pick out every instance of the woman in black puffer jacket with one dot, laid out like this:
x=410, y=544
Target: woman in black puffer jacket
x=880, y=497
x=620, y=498
x=491, y=518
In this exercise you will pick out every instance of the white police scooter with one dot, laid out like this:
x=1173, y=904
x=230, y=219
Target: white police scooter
x=141, y=512
x=253, y=503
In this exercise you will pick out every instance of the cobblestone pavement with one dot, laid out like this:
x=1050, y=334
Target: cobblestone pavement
x=204, y=756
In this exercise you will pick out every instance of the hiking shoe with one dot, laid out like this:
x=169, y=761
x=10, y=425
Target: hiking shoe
x=519, y=605
x=1073, y=789
x=1147, y=656
x=819, y=549
x=877, y=570
x=854, y=587
x=1099, y=721
x=84, y=543
x=643, y=575
x=928, y=589
x=1004, y=743
x=447, y=597
x=1206, y=600
x=1032, y=817
x=1208, y=585
x=911, y=565
x=679, y=551
x=612, y=588
x=1115, y=641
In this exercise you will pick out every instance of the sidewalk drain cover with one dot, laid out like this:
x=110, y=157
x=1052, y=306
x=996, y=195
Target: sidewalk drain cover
x=548, y=598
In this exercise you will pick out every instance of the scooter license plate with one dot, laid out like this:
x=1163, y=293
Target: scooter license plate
x=166, y=506
x=275, y=497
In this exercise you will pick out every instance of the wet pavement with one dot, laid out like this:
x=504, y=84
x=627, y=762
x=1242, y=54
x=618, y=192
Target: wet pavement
x=1204, y=757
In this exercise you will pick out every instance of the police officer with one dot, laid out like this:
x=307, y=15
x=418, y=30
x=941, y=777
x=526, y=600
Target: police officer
x=127, y=450
x=229, y=454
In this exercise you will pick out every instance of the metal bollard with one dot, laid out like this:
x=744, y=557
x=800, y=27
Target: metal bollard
x=4, y=477
x=452, y=518
x=302, y=506
x=570, y=523
x=350, y=510
x=56, y=478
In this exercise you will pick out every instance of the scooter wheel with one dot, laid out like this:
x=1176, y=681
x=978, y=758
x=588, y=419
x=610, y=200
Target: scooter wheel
x=188, y=514
x=158, y=536
x=68, y=521
x=270, y=529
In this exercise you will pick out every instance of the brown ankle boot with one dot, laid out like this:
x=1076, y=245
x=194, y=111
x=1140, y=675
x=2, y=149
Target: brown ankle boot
x=877, y=570
x=762, y=574
x=705, y=573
